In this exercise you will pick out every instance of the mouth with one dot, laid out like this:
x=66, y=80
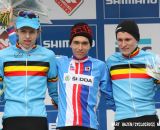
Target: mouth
x=27, y=41
x=124, y=49
x=80, y=53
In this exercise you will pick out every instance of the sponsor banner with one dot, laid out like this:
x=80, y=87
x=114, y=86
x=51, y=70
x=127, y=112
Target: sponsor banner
x=56, y=38
x=71, y=9
x=131, y=9
x=70, y=78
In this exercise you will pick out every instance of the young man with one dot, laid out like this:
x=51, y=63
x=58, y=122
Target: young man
x=26, y=70
x=133, y=88
x=80, y=79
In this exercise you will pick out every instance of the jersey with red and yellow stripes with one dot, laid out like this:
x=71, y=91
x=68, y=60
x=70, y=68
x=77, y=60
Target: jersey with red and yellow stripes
x=26, y=76
x=133, y=88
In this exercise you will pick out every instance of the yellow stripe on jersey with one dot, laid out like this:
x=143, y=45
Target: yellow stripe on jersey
x=126, y=71
x=24, y=68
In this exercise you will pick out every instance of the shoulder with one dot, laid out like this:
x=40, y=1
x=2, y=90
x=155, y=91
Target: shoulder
x=147, y=53
x=5, y=50
x=97, y=61
x=46, y=51
x=62, y=58
x=115, y=56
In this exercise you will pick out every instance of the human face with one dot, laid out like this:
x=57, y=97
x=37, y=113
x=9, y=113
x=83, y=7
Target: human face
x=80, y=46
x=126, y=43
x=27, y=36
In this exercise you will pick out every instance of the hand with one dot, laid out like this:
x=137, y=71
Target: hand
x=54, y=104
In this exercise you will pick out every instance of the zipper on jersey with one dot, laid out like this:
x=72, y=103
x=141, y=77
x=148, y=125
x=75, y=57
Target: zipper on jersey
x=77, y=122
x=131, y=94
x=26, y=85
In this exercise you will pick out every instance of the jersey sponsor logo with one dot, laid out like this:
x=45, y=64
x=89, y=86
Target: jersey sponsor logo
x=87, y=68
x=72, y=67
x=108, y=2
x=78, y=79
x=69, y=6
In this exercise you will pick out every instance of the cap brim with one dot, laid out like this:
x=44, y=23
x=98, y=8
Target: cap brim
x=27, y=22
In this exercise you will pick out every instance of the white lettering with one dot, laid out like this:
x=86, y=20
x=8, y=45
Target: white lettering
x=59, y=43
x=56, y=44
x=78, y=79
x=131, y=2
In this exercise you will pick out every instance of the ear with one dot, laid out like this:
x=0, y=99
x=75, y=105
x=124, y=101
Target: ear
x=17, y=32
x=38, y=32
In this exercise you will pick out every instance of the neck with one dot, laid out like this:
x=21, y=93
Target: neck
x=25, y=49
x=20, y=46
x=79, y=59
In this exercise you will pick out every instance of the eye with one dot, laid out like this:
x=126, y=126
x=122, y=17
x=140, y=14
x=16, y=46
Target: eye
x=76, y=42
x=22, y=30
x=127, y=39
x=119, y=40
x=85, y=43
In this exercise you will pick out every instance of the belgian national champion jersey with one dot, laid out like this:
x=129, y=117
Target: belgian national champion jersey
x=26, y=76
x=133, y=88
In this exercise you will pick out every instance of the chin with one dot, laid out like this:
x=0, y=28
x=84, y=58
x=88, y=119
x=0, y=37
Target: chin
x=79, y=57
x=126, y=54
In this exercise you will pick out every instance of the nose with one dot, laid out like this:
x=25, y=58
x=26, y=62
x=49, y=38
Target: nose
x=80, y=46
x=27, y=35
x=122, y=44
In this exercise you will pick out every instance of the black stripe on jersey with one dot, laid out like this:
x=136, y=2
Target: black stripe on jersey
x=23, y=63
x=126, y=66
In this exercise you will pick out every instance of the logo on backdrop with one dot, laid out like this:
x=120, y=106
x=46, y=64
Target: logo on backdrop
x=137, y=8
x=131, y=1
x=69, y=6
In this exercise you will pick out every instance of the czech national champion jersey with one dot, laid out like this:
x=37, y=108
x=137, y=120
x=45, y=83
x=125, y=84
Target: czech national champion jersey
x=80, y=82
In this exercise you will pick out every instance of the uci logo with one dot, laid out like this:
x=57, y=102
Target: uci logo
x=69, y=6
x=18, y=55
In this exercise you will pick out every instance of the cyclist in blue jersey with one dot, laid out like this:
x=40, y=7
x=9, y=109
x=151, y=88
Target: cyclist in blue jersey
x=80, y=79
x=26, y=70
x=133, y=88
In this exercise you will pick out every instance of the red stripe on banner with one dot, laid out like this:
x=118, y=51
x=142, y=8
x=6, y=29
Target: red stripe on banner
x=24, y=73
x=124, y=76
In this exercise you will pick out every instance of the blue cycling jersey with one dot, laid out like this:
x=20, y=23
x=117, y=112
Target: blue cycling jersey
x=26, y=76
x=133, y=88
